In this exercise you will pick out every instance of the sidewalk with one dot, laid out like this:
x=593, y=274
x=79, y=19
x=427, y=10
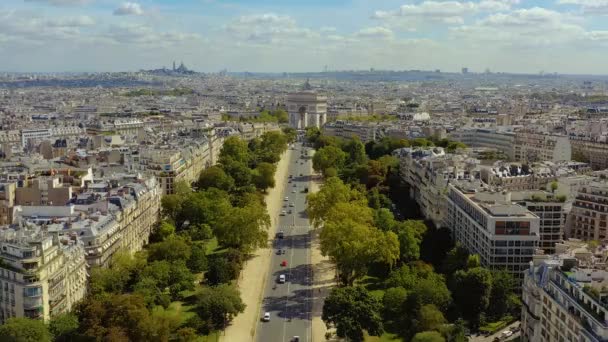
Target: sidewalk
x=253, y=278
x=324, y=281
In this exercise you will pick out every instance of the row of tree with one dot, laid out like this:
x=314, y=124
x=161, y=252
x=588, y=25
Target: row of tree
x=143, y=297
x=425, y=280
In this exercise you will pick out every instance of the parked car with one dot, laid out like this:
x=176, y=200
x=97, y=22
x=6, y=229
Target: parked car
x=281, y=234
x=283, y=213
x=282, y=279
x=266, y=317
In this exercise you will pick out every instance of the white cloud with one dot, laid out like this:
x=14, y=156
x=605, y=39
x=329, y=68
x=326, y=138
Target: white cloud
x=63, y=2
x=80, y=21
x=533, y=27
x=448, y=12
x=129, y=8
x=133, y=34
x=591, y=7
x=267, y=28
x=375, y=32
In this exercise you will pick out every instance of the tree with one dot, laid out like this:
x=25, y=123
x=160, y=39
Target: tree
x=471, y=290
x=198, y=259
x=352, y=310
x=428, y=336
x=215, y=177
x=172, y=206
x=392, y=302
x=503, y=287
x=205, y=207
x=115, y=318
x=64, y=327
x=234, y=149
x=312, y=134
x=353, y=245
x=219, y=305
x=355, y=150
x=332, y=192
x=221, y=271
x=384, y=219
x=239, y=171
x=328, y=157
x=554, y=186
x=264, y=176
x=159, y=271
x=180, y=279
x=455, y=145
x=290, y=134
x=181, y=188
x=429, y=318
x=281, y=115
x=173, y=249
x=455, y=260
x=473, y=261
x=116, y=278
x=430, y=291
x=163, y=231
x=24, y=330
x=245, y=228
x=410, y=234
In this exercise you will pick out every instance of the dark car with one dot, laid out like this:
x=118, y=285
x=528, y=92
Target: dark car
x=280, y=234
x=306, y=190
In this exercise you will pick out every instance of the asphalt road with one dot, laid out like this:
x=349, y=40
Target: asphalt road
x=290, y=304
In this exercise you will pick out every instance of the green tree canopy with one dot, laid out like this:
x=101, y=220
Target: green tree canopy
x=328, y=157
x=234, y=149
x=215, y=177
x=472, y=289
x=64, y=327
x=219, y=304
x=24, y=330
x=352, y=310
x=264, y=176
x=332, y=192
x=172, y=249
x=429, y=318
x=245, y=228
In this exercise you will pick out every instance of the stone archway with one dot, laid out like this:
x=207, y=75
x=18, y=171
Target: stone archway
x=302, y=117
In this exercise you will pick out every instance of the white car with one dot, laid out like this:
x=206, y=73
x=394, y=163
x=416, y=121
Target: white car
x=286, y=199
x=283, y=213
x=506, y=333
x=282, y=279
x=293, y=191
x=266, y=317
x=291, y=205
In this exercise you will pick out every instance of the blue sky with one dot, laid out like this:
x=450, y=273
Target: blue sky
x=565, y=36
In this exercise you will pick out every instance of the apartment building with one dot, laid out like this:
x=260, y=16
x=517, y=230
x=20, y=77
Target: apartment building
x=550, y=209
x=565, y=296
x=494, y=139
x=366, y=132
x=108, y=217
x=533, y=147
x=487, y=223
x=7, y=202
x=588, y=217
x=593, y=151
x=427, y=172
x=517, y=176
x=41, y=274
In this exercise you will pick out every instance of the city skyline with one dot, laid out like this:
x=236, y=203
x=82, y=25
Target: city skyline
x=276, y=36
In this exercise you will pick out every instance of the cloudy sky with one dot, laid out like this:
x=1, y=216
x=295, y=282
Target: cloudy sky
x=565, y=36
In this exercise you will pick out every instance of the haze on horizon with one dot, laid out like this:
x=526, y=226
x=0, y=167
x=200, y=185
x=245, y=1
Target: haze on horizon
x=564, y=36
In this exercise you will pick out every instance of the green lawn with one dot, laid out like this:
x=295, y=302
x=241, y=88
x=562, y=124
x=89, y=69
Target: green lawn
x=493, y=327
